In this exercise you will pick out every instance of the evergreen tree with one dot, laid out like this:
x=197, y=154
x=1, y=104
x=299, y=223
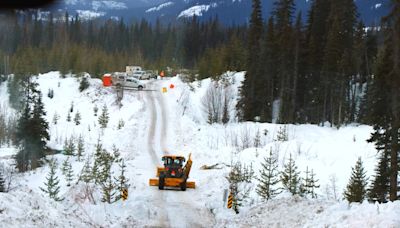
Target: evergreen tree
x=2, y=181
x=80, y=149
x=69, y=147
x=309, y=184
x=269, y=71
x=380, y=185
x=290, y=177
x=67, y=171
x=269, y=178
x=104, y=117
x=108, y=189
x=52, y=183
x=238, y=177
x=77, y=118
x=385, y=102
x=121, y=181
x=64, y=166
x=95, y=110
x=32, y=130
x=68, y=117
x=84, y=84
x=71, y=108
x=56, y=117
x=86, y=174
x=283, y=13
x=356, y=188
x=250, y=102
x=97, y=162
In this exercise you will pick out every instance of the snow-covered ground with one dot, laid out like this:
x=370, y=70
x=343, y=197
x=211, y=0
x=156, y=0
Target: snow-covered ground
x=174, y=122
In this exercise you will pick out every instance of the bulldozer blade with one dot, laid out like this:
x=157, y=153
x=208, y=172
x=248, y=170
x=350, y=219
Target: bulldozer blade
x=190, y=184
x=153, y=182
x=172, y=182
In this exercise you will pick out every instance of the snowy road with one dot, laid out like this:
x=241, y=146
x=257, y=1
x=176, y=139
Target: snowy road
x=177, y=208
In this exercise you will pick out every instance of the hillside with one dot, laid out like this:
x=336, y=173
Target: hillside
x=174, y=122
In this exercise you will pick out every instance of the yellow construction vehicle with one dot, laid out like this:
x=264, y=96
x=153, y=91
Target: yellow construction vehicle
x=173, y=174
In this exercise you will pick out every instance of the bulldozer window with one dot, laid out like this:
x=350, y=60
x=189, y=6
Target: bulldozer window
x=177, y=161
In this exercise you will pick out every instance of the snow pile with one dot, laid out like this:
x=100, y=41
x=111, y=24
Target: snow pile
x=158, y=8
x=298, y=212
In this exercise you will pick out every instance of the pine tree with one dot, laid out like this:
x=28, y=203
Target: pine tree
x=71, y=108
x=290, y=177
x=121, y=181
x=32, y=130
x=257, y=139
x=97, y=162
x=387, y=83
x=67, y=171
x=95, y=110
x=108, y=189
x=84, y=84
x=80, y=149
x=106, y=161
x=238, y=177
x=68, y=117
x=356, y=188
x=379, y=189
x=309, y=184
x=121, y=124
x=77, y=118
x=2, y=181
x=86, y=174
x=52, y=183
x=268, y=178
x=249, y=104
x=104, y=117
x=69, y=147
x=56, y=117
x=64, y=166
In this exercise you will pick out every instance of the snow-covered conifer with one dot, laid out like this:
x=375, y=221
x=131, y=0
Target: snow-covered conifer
x=356, y=188
x=77, y=118
x=104, y=117
x=52, y=183
x=269, y=177
x=290, y=177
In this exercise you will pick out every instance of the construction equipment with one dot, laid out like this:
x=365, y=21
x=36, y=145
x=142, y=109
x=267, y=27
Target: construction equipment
x=173, y=174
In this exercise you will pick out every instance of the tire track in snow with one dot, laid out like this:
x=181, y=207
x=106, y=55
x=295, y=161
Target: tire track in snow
x=161, y=216
x=181, y=209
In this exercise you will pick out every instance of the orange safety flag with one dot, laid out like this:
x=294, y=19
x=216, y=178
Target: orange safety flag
x=171, y=86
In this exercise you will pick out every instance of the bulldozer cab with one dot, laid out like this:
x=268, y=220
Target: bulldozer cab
x=173, y=161
x=173, y=174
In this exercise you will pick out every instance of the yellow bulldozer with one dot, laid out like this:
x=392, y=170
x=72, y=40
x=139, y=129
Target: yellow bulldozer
x=173, y=174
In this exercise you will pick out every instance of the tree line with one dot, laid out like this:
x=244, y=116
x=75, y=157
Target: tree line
x=36, y=44
x=331, y=69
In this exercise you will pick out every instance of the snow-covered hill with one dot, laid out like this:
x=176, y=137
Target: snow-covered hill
x=175, y=122
x=228, y=11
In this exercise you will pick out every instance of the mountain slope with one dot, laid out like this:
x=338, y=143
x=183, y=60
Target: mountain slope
x=228, y=11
